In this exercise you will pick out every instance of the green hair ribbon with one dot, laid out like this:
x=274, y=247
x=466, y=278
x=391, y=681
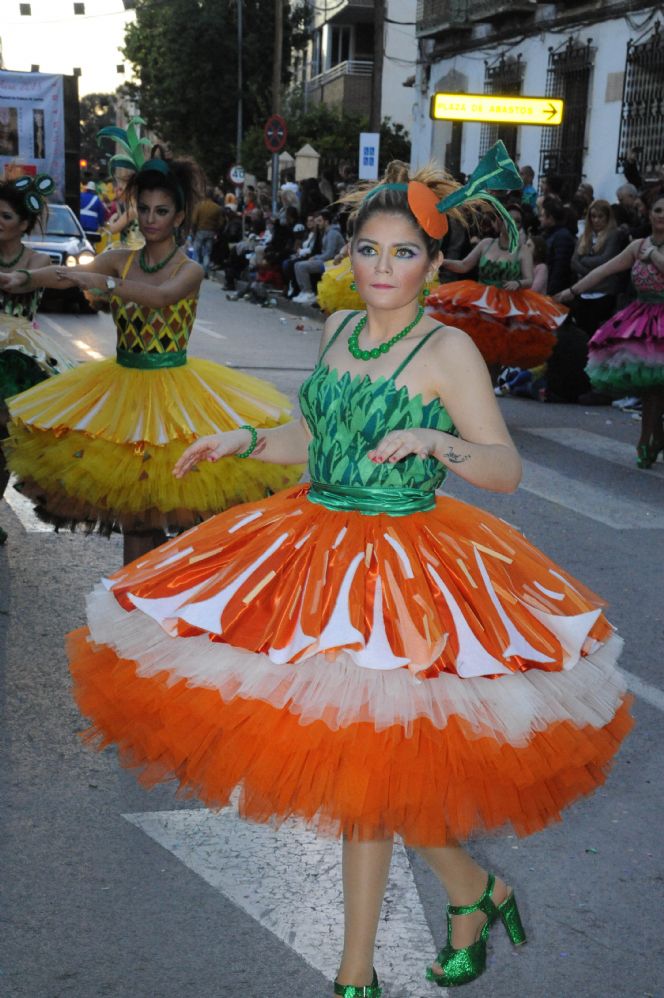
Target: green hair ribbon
x=497, y=172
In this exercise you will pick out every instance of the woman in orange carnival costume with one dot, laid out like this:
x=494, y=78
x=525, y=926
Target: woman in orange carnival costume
x=97, y=445
x=509, y=323
x=356, y=651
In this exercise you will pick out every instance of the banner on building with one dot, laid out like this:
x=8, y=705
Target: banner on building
x=32, y=126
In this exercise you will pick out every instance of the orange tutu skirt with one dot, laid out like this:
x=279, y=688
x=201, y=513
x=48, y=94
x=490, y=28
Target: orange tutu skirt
x=509, y=328
x=274, y=648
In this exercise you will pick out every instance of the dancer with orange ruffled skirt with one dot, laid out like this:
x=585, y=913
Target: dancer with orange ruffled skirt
x=510, y=324
x=358, y=652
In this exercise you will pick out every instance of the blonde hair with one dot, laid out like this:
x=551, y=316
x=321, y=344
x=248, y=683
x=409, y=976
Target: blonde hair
x=396, y=201
x=586, y=245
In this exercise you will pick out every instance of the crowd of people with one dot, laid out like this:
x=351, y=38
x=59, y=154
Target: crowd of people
x=356, y=651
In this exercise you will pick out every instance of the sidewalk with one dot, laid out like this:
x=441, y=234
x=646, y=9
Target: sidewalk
x=284, y=303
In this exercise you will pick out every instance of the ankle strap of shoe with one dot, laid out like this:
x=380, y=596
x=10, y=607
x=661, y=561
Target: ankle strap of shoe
x=350, y=991
x=485, y=903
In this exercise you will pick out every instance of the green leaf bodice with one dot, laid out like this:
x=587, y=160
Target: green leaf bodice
x=348, y=416
x=23, y=306
x=498, y=271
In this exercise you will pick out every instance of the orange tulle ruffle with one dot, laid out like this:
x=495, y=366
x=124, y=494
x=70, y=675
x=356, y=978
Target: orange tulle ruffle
x=431, y=786
x=508, y=327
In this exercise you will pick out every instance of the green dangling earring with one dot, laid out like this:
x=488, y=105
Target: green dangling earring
x=353, y=286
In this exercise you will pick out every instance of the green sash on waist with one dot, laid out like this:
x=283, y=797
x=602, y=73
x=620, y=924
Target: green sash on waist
x=651, y=297
x=151, y=361
x=372, y=501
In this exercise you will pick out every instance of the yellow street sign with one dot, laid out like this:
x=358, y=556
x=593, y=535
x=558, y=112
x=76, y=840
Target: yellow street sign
x=512, y=110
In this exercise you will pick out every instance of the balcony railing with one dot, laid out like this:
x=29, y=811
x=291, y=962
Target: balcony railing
x=436, y=15
x=351, y=67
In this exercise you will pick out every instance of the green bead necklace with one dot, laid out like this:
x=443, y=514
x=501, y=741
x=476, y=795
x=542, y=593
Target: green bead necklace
x=11, y=263
x=153, y=268
x=375, y=353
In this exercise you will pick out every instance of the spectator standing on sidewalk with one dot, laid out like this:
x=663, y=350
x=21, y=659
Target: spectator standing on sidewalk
x=528, y=191
x=332, y=242
x=601, y=241
x=560, y=244
x=207, y=220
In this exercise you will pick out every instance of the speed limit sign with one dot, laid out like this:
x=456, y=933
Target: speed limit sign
x=237, y=174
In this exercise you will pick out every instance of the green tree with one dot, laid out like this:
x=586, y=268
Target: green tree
x=184, y=53
x=95, y=111
x=333, y=133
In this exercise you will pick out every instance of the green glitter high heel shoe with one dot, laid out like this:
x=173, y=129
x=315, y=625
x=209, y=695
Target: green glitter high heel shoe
x=350, y=991
x=460, y=966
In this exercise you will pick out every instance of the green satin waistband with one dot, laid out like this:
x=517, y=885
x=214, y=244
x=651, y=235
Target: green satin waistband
x=651, y=297
x=151, y=361
x=372, y=502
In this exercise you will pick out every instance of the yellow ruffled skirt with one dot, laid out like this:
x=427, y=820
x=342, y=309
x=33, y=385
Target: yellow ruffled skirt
x=97, y=445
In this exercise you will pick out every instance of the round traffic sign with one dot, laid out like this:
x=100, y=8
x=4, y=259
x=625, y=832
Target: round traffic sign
x=236, y=174
x=276, y=133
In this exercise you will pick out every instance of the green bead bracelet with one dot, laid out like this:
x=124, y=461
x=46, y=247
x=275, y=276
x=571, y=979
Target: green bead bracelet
x=254, y=440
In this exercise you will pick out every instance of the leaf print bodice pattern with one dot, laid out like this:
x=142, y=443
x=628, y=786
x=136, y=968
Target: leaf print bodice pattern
x=349, y=416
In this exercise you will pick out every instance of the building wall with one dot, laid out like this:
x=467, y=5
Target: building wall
x=399, y=63
x=609, y=39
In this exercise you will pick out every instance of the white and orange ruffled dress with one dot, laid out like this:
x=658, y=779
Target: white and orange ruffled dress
x=268, y=649
x=509, y=328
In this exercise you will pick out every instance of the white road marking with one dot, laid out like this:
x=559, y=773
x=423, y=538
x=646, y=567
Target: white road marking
x=81, y=344
x=25, y=511
x=590, y=500
x=290, y=882
x=56, y=326
x=202, y=326
x=93, y=354
x=594, y=444
x=651, y=694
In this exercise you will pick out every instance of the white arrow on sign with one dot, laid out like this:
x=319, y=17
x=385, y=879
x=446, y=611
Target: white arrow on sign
x=290, y=882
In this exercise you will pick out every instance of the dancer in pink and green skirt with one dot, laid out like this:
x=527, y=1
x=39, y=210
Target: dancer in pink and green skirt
x=626, y=354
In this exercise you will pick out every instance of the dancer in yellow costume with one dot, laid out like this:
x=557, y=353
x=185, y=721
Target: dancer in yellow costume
x=96, y=445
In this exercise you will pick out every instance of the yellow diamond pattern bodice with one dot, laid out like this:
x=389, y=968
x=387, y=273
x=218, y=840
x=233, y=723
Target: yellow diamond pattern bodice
x=141, y=329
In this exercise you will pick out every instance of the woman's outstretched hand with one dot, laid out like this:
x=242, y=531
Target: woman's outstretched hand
x=399, y=444
x=209, y=449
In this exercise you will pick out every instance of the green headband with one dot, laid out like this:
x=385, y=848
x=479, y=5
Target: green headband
x=162, y=167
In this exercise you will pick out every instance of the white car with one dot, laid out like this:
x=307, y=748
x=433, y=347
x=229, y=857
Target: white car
x=66, y=242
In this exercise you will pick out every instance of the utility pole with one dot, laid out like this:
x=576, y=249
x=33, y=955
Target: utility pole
x=276, y=89
x=277, y=56
x=238, y=133
x=377, y=78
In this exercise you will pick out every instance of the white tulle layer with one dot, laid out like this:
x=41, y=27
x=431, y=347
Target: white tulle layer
x=339, y=693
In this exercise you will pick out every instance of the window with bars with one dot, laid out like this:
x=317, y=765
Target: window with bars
x=563, y=146
x=506, y=78
x=642, y=114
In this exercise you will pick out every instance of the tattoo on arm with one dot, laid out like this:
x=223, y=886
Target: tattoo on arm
x=454, y=458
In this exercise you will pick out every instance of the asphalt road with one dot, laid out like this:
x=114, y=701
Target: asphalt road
x=110, y=891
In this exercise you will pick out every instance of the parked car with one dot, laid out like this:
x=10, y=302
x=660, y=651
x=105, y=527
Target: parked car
x=66, y=242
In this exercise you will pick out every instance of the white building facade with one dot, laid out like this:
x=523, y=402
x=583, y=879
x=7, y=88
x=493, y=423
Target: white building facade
x=605, y=60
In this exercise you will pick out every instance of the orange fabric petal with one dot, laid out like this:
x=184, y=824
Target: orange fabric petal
x=422, y=201
x=431, y=787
